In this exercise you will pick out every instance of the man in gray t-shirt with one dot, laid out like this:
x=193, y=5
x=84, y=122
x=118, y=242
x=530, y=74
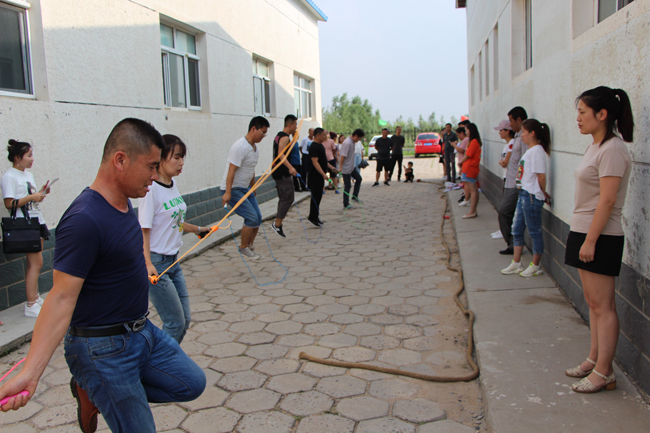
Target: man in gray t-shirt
x=348, y=169
x=508, y=204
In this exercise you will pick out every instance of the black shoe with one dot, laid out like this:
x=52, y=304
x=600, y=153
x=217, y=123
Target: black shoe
x=375, y=184
x=507, y=252
x=278, y=230
x=297, y=189
x=356, y=199
x=462, y=198
x=320, y=222
x=386, y=183
x=314, y=223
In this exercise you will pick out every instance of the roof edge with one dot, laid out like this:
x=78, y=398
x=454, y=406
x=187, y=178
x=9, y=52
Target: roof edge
x=315, y=10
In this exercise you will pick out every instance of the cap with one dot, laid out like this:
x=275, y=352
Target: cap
x=505, y=124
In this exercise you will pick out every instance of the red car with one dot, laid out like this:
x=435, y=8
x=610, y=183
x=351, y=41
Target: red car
x=427, y=143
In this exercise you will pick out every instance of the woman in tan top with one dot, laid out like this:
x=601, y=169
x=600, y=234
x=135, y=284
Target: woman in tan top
x=595, y=243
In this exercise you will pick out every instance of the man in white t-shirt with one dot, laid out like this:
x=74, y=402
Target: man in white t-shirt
x=239, y=177
x=304, y=149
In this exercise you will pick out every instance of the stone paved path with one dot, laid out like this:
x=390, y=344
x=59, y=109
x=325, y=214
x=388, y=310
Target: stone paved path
x=380, y=293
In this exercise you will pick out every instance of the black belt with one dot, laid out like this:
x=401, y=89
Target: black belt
x=107, y=331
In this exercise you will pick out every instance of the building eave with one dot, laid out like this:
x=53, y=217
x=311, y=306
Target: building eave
x=315, y=10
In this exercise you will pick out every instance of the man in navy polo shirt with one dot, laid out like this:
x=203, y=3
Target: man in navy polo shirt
x=119, y=361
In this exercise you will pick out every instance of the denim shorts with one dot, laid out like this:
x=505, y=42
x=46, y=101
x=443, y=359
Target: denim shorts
x=464, y=178
x=249, y=209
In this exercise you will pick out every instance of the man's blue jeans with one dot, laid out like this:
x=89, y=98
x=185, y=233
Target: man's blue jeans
x=528, y=214
x=347, y=184
x=123, y=373
x=170, y=297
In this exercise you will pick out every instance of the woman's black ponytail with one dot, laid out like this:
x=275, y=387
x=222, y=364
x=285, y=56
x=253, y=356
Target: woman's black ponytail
x=618, y=107
x=542, y=132
x=17, y=149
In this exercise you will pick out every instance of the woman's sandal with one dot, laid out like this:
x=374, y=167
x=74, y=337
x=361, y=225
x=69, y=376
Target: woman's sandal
x=586, y=387
x=579, y=372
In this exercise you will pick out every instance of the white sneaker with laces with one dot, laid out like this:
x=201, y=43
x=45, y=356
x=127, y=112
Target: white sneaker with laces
x=33, y=310
x=532, y=271
x=463, y=203
x=514, y=268
x=39, y=300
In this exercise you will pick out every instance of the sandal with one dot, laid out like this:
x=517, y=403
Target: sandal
x=579, y=372
x=586, y=387
x=468, y=216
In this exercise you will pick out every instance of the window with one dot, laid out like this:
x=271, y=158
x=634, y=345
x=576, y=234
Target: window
x=606, y=8
x=180, y=68
x=15, y=67
x=529, y=34
x=471, y=87
x=487, y=68
x=480, y=76
x=261, y=87
x=302, y=96
x=495, y=56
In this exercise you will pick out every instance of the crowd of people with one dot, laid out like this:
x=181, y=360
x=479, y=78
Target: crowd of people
x=596, y=239
x=99, y=300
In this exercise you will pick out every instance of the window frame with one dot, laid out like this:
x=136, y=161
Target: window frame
x=186, y=56
x=304, y=91
x=620, y=4
x=28, y=71
x=528, y=29
x=266, y=87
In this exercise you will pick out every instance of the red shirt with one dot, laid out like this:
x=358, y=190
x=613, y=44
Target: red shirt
x=471, y=165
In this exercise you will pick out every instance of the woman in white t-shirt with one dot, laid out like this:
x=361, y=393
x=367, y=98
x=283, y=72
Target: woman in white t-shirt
x=596, y=240
x=162, y=217
x=18, y=184
x=531, y=181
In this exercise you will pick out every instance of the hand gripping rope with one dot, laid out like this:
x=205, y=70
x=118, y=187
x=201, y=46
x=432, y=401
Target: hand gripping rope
x=280, y=159
x=25, y=393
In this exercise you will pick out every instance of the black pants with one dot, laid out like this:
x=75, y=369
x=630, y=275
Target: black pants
x=296, y=182
x=450, y=164
x=396, y=160
x=306, y=163
x=316, y=186
x=507, y=208
x=347, y=185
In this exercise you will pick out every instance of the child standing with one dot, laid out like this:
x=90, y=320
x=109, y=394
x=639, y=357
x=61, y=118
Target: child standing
x=531, y=181
x=162, y=217
x=18, y=185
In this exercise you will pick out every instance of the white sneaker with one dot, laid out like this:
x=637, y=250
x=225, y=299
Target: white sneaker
x=532, y=271
x=248, y=253
x=464, y=203
x=39, y=300
x=33, y=310
x=497, y=235
x=514, y=268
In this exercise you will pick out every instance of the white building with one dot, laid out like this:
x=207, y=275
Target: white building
x=541, y=54
x=199, y=69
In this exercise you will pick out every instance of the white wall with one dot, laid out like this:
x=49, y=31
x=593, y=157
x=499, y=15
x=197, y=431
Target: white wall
x=613, y=53
x=97, y=62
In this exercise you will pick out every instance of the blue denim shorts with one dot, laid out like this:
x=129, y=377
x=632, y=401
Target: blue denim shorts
x=249, y=209
x=464, y=178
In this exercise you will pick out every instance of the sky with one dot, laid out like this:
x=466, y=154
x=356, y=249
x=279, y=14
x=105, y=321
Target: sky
x=407, y=57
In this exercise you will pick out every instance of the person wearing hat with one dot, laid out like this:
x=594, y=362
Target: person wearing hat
x=508, y=135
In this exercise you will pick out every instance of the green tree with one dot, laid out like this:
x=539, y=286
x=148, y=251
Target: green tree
x=345, y=115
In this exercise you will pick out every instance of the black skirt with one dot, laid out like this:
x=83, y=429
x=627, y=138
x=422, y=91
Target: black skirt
x=608, y=257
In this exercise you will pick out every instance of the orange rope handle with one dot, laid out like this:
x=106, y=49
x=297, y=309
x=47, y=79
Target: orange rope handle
x=281, y=155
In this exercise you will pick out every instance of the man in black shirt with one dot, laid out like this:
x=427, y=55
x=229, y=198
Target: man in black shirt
x=397, y=157
x=383, y=146
x=450, y=139
x=317, y=174
x=284, y=174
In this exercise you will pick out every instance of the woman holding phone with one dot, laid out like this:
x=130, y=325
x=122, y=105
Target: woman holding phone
x=596, y=240
x=18, y=185
x=162, y=218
